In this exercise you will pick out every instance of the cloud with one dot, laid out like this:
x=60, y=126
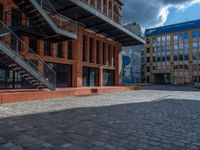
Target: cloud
x=152, y=13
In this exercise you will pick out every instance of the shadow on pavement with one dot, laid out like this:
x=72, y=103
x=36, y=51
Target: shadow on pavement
x=171, y=88
x=169, y=124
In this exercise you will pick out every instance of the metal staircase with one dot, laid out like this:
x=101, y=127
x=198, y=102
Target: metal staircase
x=20, y=58
x=45, y=18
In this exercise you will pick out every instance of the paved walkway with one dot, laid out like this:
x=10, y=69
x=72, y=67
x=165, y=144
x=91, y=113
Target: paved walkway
x=156, y=118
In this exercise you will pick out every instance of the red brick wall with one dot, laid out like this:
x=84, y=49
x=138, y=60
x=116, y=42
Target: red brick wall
x=77, y=62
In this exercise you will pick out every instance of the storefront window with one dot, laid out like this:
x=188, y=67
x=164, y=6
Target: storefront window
x=108, y=77
x=90, y=76
x=63, y=74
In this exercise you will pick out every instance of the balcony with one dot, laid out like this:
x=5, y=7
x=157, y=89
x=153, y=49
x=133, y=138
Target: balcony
x=104, y=10
x=45, y=19
x=98, y=18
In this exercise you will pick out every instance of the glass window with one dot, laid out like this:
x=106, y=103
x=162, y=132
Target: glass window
x=175, y=58
x=159, y=39
x=195, y=55
x=154, y=59
x=16, y=43
x=154, y=50
x=180, y=57
x=47, y=48
x=175, y=47
x=163, y=39
x=84, y=48
x=90, y=76
x=194, y=44
x=91, y=49
x=63, y=74
x=180, y=36
x=186, y=46
x=175, y=37
x=109, y=54
x=168, y=58
x=180, y=46
x=1, y=14
x=186, y=35
x=148, y=50
x=154, y=40
x=168, y=38
x=104, y=53
x=10, y=79
x=16, y=17
x=114, y=55
x=98, y=52
x=59, y=50
x=33, y=44
x=70, y=50
x=93, y=77
x=148, y=69
x=186, y=57
x=148, y=59
x=194, y=34
x=108, y=77
x=159, y=49
x=163, y=59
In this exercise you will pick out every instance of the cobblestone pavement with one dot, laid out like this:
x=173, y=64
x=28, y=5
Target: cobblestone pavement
x=156, y=118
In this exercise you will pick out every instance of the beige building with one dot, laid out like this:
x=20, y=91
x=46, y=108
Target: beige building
x=172, y=54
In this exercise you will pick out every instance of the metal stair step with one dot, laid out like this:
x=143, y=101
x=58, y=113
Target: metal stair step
x=37, y=84
x=13, y=65
x=17, y=69
x=29, y=78
x=33, y=81
x=25, y=75
x=22, y=72
x=41, y=87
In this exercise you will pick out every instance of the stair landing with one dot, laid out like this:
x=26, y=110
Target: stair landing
x=19, y=95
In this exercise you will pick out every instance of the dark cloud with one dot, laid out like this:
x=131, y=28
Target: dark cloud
x=150, y=13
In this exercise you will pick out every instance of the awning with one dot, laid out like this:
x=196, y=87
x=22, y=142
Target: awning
x=95, y=20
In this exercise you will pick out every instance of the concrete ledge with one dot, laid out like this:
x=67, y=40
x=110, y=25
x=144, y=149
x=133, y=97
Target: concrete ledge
x=13, y=96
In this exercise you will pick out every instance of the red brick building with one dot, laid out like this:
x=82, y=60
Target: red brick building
x=61, y=43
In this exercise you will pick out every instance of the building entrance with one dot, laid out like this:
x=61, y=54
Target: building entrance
x=161, y=78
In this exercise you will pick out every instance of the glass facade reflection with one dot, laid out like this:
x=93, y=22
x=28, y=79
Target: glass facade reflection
x=90, y=76
x=108, y=77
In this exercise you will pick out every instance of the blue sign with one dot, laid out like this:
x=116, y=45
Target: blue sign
x=126, y=60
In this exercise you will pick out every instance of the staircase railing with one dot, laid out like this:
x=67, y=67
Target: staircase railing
x=27, y=55
x=61, y=21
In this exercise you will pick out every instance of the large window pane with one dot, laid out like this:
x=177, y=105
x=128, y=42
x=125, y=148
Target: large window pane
x=33, y=44
x=91, y=50
x=16, y=17
x=47, y=48
x=108, y=77
x=90, y=76
x=59, y=50
x=70, y=50
x=63, y=74
x=84, y=48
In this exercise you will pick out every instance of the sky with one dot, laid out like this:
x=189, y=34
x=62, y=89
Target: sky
x=156, y=13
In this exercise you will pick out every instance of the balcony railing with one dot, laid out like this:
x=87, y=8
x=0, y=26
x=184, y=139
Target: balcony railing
x=18, y=47
x=98, y=5
x=62, y=22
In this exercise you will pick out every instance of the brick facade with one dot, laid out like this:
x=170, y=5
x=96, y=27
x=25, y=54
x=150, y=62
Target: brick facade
x=111, y=63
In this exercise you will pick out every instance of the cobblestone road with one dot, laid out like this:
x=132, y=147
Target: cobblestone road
x=156, y=118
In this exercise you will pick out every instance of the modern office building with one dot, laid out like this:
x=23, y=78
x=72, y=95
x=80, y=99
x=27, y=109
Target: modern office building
x=172, y=54
x=61, y=43
x=132, y=73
